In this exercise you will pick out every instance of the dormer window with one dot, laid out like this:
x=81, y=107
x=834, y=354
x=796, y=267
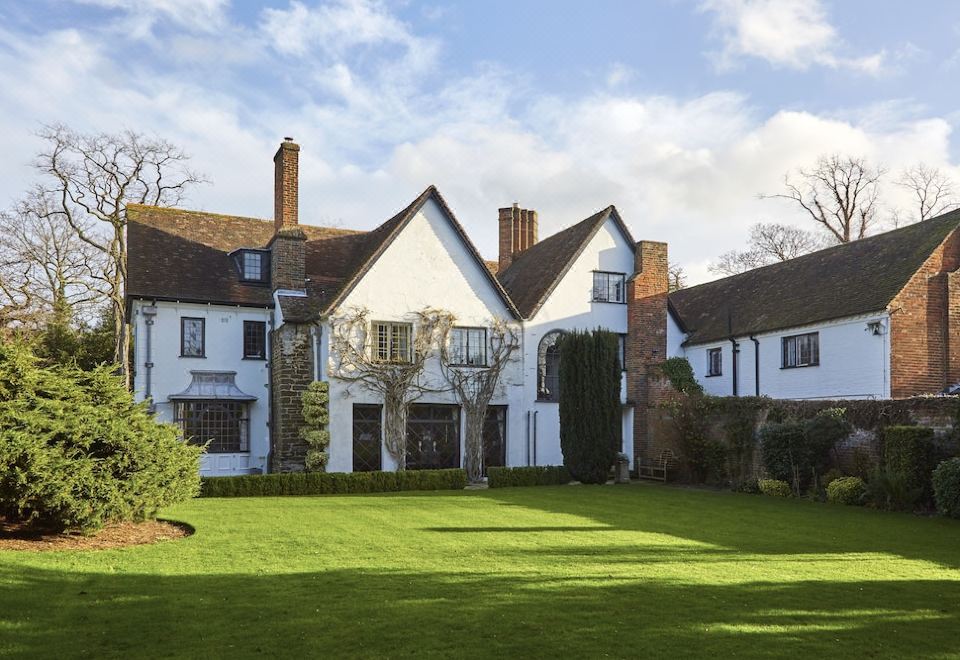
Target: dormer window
x=254, y=265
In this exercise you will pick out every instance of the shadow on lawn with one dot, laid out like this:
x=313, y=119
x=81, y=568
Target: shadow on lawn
x=374, y=614
x=746, y=523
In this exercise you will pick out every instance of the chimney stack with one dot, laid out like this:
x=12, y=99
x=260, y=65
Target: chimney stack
x=287, y=247
x=285, y=185
x=518, y=232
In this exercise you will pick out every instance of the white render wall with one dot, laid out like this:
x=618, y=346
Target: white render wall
x=224, y=352
x=854, y=363
x=570, y=307
x=427, y=265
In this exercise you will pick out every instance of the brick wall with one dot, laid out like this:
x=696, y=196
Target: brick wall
x=288, y=259
x=286, y=169
x=292, y=370
x=924, y=325
x=646, y=335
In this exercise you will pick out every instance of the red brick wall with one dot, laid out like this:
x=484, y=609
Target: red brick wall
x=286, y=173
x=518, y=231
x=925, y=326
x=646, y=334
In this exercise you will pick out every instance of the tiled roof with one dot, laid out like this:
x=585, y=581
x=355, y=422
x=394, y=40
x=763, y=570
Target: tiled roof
x=535, y=272
x=845, y=280
x=184, y=255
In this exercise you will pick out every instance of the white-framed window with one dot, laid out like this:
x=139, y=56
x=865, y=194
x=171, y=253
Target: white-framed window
x=715, y=362
x=392, y=341
x=468, y=347
x=609, y=287
x=801, y=350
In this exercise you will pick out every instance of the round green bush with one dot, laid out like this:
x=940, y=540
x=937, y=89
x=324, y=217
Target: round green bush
x=78, y=452
x=847, y=490
x=946, y=487
x=775, y=488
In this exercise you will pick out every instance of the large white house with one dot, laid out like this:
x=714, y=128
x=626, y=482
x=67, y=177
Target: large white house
x=233, y=317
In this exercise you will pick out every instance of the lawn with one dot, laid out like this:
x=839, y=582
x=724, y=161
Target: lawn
x=572, y=571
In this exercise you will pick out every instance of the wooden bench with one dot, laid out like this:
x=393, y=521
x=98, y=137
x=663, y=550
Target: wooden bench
x=656, y=469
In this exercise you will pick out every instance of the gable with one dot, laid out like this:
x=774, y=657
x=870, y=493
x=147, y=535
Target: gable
x=606, y=250
x=428, y=264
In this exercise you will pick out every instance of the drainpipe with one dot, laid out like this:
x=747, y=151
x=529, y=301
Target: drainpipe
x=756, y=363
x=736, y=353
x=535, y=436
x=527, y=429
x=149, y=315
x=270, y=336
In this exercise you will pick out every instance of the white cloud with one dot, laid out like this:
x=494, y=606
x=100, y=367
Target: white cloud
x=794, y=34
x=140, y=16
x=684, y=170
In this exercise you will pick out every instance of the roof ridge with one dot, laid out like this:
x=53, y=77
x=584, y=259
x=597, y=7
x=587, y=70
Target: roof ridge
x=230, y=217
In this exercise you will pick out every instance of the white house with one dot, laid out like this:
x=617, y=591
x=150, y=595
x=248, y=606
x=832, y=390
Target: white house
x=233, y=318
x=876, y=318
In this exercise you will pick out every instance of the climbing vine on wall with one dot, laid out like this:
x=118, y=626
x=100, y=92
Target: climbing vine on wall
x=316, y=416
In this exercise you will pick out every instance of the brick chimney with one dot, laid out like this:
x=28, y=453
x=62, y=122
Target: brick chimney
x=287, y=260
x=646, y=334
x=518, y=231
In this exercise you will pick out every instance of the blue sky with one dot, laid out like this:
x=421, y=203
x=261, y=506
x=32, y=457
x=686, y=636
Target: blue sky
x=679, y=113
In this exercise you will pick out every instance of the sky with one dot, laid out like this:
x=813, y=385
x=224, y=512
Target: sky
x=680, y=113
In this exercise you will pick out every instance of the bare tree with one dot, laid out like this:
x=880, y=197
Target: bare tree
x=399, y=382
x=932, y=188
x=474, y=387
x=47, y=274
x=92, y=178
x=770, y=242
x=676, y=277
x=839, y=194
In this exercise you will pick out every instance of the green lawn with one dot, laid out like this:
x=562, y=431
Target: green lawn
x=537, y=572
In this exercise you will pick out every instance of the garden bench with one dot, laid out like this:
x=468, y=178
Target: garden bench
x=656, y=469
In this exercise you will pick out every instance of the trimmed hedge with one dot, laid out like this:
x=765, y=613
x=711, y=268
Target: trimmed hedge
x=541, y=475
x=329, y=483
x=908, y=451
x=775, y=488
x=847, y=490
x=946, y=487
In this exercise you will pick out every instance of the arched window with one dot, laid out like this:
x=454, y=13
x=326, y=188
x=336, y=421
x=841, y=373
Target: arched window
x=548, y=367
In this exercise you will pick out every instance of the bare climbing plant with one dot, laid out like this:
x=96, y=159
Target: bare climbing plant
x=399, y=378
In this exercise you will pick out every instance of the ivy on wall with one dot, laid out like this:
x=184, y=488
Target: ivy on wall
x=316, y=416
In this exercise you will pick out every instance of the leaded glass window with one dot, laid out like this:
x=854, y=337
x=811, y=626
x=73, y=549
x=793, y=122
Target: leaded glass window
x=192, y=337
x=221, y=423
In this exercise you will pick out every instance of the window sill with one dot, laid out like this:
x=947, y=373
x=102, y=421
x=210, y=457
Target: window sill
x=194, y=357
x=255, y=359
x=712, y=375
x=470, y=366
x=800, y=366
x=610, y=302
x=548, y=400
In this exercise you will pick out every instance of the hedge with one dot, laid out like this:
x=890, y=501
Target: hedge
x=329, y=483
x=775, y=487
x=908, y=451
x=540, y=475
x=946, y=487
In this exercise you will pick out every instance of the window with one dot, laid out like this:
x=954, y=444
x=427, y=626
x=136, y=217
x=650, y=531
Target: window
x=548, y=367
x=433, y=437
x=254, y=265
x=192, y=337
x=392, y=341
x=468, y=347
x=714, y=361
x=254, y=340
x=222, y=423
x=608, y=287
x=495, y=437
x=367, y=433
x=801, y=350
x=622, y=345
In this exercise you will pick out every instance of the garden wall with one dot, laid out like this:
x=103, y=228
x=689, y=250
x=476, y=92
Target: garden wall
x=857, y=454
